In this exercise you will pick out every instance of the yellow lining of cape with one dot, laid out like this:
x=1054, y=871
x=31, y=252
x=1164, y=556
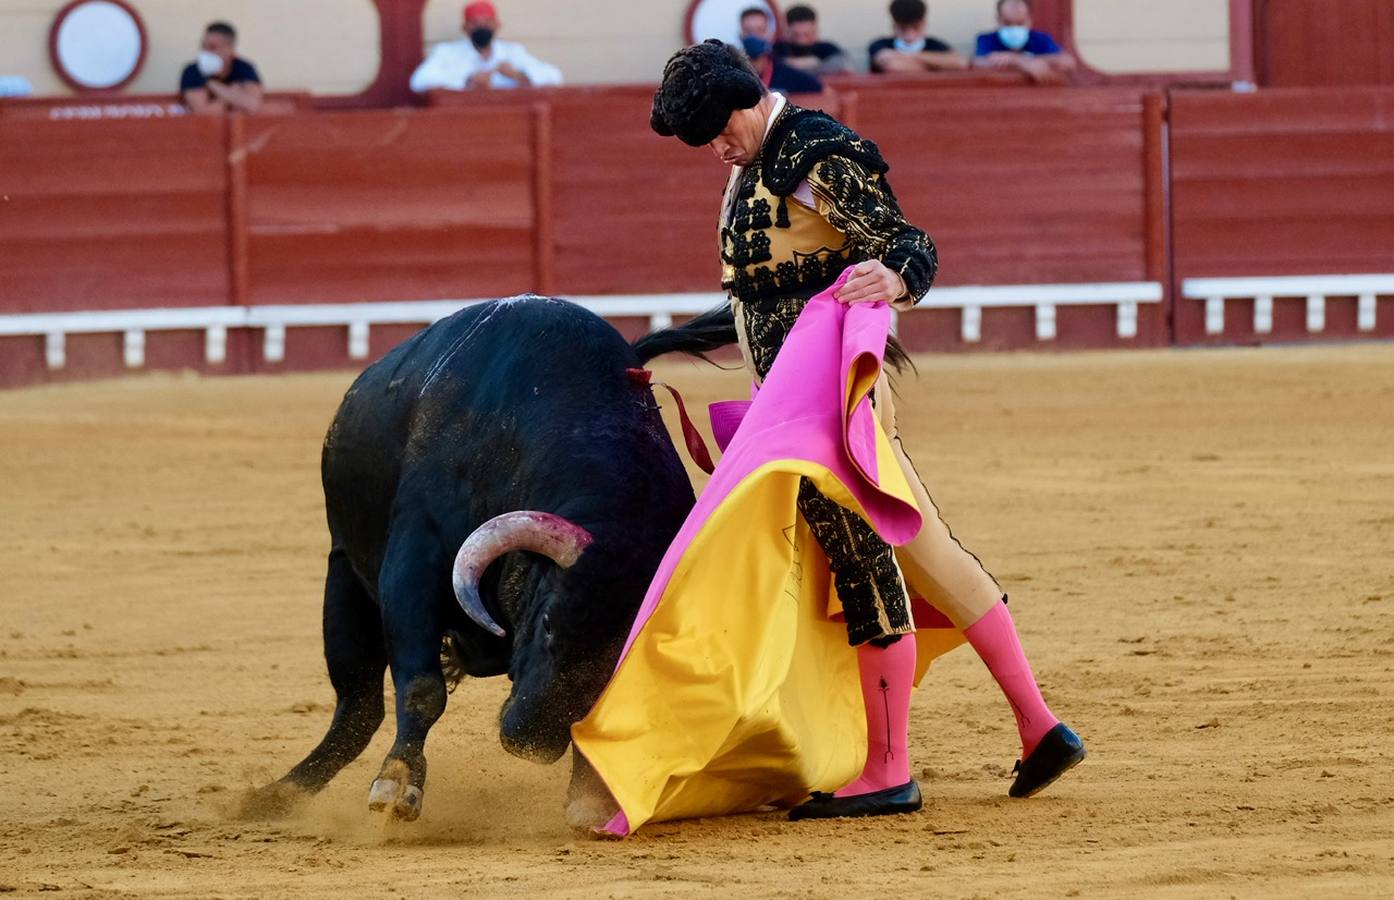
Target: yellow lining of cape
x=724, y=703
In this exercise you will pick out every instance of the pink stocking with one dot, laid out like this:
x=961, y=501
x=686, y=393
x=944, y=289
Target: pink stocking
x=887, y=676
x=994, y=637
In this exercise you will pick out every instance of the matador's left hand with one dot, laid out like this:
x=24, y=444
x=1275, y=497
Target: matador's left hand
x=871, y=281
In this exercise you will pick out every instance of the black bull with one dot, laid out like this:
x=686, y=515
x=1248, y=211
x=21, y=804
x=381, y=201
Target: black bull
x=507, y=447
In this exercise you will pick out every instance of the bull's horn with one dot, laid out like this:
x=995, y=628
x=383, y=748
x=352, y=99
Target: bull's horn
x=551, y=535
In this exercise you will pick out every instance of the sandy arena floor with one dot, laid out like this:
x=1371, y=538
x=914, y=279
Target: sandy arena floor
x=1199, y=548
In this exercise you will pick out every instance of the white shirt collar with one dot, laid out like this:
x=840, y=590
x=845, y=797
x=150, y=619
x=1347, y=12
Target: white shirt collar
x=728, y=196
x=779, y=103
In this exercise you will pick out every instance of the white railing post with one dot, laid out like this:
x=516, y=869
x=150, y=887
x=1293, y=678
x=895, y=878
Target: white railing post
x=215, y=345
x=55, y=350
x=1316, y=313
x=1045, y=321
x=971, y=326
x=1127, y=319
x=1263, y=314
x=133, y=348
x=358, y=340
x=274, y=344
x=1214, y=315
x=1365, y=312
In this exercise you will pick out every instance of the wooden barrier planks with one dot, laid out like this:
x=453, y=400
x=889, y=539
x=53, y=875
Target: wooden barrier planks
x=1028, y=186
x=567, y=191
x=1282, y=182
x=390, y=205
x=1311, y=43
x=632, y=212
x=110, y=214
x=1019, y=185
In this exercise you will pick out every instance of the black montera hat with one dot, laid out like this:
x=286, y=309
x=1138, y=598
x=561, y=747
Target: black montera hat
x=702, y=85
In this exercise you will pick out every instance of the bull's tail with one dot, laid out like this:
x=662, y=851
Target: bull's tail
x=710, y=331
x=716, y=328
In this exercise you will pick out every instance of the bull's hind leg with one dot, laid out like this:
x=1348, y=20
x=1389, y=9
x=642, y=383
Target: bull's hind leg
x=413, y=585
x=356, y=658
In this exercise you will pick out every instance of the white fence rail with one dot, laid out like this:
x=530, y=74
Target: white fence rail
x=659, y=309
x=1314, y=289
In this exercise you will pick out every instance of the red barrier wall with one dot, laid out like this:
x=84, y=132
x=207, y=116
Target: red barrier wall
x=1032, y=186
x=112, y=214
x=1283, y=182
x=631, y=213
x=566, y=191
x=1317, y=43
x=344, y=207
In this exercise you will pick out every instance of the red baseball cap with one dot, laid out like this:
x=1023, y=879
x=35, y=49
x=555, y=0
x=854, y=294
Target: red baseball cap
x=481, y=10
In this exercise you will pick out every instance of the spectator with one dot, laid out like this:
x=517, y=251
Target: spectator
x=755, y=22
x=803, y=51
x=1015, y=46
x=910, y=49
x=774, y=73
x=483, y=61
x=14, y=86
x=220, y=81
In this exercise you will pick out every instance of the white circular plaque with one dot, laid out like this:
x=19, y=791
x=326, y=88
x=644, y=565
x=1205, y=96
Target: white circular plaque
x=98, y=44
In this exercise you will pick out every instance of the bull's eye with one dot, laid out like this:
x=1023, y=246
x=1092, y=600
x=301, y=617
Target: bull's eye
x=547, y=625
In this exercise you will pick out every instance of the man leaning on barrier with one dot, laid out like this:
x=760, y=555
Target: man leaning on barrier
x=220, y=81
x=1016, y=46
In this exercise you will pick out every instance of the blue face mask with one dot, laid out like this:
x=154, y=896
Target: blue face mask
x=1014, y=37
x=905, y=46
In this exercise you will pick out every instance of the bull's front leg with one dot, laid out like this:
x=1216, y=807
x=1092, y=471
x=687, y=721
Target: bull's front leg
x=411, y=590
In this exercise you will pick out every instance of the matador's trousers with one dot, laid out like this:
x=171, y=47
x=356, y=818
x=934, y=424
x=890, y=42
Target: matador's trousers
x=867, y=571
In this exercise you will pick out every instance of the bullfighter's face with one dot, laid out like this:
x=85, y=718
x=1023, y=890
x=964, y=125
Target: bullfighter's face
x=740, y=141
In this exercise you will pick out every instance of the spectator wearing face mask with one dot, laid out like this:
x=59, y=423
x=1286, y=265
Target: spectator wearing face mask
x=218, y=80
x=1016, y=46
x=801, y=49
x=482, y=61
x=774, y=73
x=755, y=22
x=910, y=48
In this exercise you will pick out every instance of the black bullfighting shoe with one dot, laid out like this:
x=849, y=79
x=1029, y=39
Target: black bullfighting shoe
x=891, y=801
x=1057, y=753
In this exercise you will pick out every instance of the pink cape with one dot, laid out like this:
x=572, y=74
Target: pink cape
x=736, y=689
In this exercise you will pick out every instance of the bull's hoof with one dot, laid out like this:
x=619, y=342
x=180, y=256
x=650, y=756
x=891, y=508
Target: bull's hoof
x=274, y=801
x=401, y=801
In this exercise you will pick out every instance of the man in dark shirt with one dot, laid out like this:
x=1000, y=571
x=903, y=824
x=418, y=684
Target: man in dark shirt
x=1016, y=46
x=774, y=73
x=220, y=81
x=803, y=50
x=910, y=49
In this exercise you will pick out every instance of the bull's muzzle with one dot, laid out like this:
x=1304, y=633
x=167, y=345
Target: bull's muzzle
x=558, y=539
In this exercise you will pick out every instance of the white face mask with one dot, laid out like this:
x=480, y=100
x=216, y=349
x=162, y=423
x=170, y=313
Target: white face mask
x=209, y=63
x=905, y=46
x=1014, y=36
